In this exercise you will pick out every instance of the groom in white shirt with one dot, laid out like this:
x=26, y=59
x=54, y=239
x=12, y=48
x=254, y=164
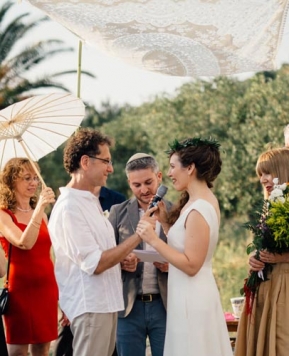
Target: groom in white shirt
x=86, y=256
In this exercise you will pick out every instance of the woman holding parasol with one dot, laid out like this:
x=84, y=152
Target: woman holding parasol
x=31, y=284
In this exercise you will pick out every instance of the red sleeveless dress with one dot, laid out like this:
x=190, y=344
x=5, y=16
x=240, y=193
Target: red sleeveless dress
x=33, y=294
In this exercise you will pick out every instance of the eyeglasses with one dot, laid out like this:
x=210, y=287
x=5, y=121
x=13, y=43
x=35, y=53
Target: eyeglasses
x=28, y=179
x=108, y=162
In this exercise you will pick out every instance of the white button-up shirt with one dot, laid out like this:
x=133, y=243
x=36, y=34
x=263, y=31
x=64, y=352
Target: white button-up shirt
x=80, y=233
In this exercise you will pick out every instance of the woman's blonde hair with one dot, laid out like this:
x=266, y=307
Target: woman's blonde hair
x=275, y=162
x=13, y=170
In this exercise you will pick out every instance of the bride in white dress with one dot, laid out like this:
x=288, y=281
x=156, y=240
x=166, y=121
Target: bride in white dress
x=195, y=320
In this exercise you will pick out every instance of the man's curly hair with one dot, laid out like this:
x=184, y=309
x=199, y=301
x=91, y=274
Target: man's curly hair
x=85, y=141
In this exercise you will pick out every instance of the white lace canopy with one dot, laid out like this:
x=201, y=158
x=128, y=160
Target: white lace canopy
x=178, y=37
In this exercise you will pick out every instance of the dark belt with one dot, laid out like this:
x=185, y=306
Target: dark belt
x=147, y=298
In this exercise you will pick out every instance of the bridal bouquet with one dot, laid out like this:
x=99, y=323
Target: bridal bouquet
x=270, y=228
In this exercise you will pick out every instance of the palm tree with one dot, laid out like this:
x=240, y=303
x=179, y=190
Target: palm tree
x=14, y=86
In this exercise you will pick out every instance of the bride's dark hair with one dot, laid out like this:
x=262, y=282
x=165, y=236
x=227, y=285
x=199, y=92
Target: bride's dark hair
x=205, y=155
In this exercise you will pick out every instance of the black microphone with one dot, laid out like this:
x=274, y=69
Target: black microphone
x=161, y=192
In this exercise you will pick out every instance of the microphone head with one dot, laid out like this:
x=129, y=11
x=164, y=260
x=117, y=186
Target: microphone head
x=162, y=190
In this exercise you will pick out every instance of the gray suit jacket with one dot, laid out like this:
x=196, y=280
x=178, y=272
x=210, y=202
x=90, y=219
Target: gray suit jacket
x=124, y=218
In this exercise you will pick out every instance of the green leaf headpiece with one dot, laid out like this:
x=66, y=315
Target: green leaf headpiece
x=196, y=141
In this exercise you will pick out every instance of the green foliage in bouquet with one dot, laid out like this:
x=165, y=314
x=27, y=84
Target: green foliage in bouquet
x=278, y=223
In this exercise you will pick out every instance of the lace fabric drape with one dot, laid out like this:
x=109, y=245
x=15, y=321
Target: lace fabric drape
x=178, y=37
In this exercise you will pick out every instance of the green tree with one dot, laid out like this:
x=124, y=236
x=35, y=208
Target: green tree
x=105, y=115
x=52, y=169
x=246, y=117
x=14, y=85
x=130, y=137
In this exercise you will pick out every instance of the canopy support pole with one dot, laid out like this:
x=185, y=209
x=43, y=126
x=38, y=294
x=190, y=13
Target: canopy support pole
x=79, y=68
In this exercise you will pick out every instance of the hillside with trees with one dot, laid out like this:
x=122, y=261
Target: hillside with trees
x=246, y=117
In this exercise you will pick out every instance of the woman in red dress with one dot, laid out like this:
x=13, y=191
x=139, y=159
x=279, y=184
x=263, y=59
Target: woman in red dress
x=31, y=318
x=3, y=346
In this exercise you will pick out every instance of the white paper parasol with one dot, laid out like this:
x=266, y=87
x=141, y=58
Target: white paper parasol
x=36, y=126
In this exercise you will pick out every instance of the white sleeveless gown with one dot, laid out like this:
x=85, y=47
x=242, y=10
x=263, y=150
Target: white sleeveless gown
x=195, y=320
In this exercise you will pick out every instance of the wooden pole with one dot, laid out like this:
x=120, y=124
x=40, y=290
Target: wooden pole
x=79, y=68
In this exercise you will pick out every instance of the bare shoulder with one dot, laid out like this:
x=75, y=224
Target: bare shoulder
x=4, y=216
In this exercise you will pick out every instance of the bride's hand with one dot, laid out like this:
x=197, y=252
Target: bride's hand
x=146, y=231
x=159, y=211
x=150, y=219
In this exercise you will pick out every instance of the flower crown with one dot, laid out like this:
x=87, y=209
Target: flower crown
x=196, y=141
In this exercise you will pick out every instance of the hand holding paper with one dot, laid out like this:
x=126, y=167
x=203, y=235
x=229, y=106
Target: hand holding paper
x=129, y=264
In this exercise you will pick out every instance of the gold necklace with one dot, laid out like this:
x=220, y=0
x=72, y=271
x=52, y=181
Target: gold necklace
x=24, y=210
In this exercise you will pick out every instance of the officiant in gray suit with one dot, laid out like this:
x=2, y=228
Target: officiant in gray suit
x=144, y=283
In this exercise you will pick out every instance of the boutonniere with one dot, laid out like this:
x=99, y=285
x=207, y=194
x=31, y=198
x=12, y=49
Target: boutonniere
x=106, y=214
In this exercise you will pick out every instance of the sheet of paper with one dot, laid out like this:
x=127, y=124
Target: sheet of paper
x=149, y=256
